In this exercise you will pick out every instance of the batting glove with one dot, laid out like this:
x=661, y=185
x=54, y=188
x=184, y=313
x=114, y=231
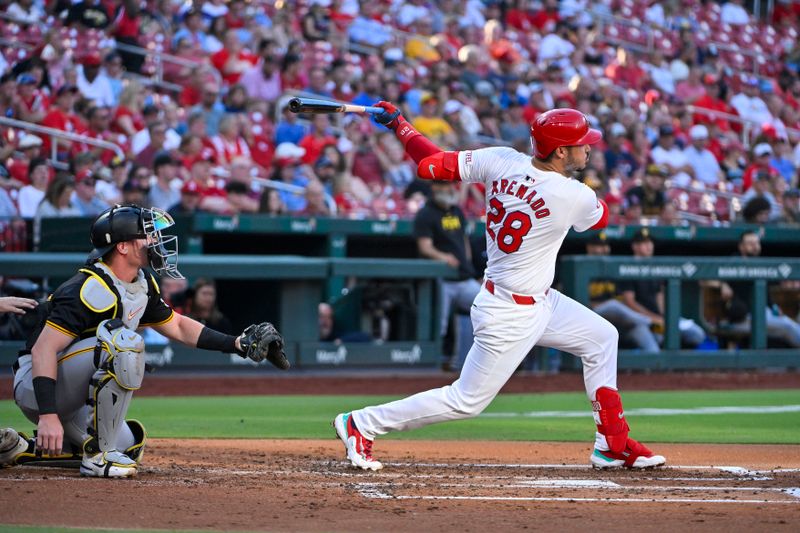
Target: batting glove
x=390, y=117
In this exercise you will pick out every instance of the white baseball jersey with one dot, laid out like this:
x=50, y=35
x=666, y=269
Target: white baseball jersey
x=528, y=215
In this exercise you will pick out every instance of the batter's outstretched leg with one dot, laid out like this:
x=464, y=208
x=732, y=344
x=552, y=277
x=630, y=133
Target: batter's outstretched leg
x=580, y=331
x=504, y=334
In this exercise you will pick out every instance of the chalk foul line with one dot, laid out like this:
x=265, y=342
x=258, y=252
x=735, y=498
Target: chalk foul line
x=653, y=411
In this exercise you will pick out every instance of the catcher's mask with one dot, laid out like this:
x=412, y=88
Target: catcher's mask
x=122, y=223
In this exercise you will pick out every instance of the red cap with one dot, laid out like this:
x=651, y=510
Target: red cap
x=84, y=174
x=190, y=187
x=91, y=59
x=561, y=127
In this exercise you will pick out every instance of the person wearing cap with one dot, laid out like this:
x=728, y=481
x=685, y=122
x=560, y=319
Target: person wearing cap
x=748, y=103
x=61, y=116
x=646, y=296
x=94, y=84
x=290, y=169
x=618, y=157
x=190, y=198
x=78, y=370
x=668, y=154
x=34, y=102
x=634, y=328
x=85, y=199
x=705, y=165
x=112, y=179
x=165, y=190
x=761, y=164
x=649, y=198
x=432, y=126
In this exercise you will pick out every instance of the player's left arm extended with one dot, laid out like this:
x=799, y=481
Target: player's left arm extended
x=432, y=162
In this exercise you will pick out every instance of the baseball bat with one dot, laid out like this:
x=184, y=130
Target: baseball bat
x=314, y=105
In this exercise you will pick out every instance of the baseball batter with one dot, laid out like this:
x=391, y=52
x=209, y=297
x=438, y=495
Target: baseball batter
x=531, y=205
x=79, y=370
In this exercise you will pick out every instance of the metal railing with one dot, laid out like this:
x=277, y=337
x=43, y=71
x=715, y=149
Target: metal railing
x=55, y=134
x=160, y=58
x=649, y=32
x=747, y=125
x=295, y=189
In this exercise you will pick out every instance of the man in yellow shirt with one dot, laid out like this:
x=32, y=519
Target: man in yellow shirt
x=434, y=127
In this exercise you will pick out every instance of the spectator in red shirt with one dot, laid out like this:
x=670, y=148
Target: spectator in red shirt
x=625, y=70
x=232, y=60
x=546, y=18
x=292, y=76
x=62, y=117
x=125, y=29
x=34, y=102
x=713, y=100
x=762, y=153
x=98, y=128
x=128, y=118
x=521, y=17
x=229, y=143
x=316, y=139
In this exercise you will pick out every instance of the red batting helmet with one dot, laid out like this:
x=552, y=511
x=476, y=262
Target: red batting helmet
x=561, y=127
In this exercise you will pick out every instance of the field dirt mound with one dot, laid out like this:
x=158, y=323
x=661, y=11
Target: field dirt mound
x=294, y=485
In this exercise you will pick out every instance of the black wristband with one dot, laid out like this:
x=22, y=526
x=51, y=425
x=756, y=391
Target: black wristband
x=45, y=390
x=211, y=339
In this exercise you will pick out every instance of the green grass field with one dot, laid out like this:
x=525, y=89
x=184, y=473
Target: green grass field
x=509, y=417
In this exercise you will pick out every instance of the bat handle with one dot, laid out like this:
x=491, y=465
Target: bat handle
x=373, y=110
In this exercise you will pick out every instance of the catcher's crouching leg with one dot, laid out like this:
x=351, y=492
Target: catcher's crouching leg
x=120, y=369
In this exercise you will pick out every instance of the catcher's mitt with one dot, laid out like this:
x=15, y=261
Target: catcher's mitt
x=262, y=341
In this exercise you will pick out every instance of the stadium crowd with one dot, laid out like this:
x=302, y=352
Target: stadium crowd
x=699, y=102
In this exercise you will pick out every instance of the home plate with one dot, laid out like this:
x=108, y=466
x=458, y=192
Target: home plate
x=569, y=483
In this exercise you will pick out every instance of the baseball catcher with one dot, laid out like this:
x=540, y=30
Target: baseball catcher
x=77, y=374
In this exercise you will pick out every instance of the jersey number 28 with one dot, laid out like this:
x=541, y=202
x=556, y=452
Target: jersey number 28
x=514, y=226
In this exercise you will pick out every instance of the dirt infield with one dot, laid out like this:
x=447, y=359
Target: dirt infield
x=427, y=486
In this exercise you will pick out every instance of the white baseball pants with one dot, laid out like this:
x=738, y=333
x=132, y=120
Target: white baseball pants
x=504, y=334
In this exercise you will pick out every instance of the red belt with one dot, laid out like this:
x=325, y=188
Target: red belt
x=518, y=298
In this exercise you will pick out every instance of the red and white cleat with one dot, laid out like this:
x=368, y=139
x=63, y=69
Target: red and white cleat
x=358, y=448
x=635, y=455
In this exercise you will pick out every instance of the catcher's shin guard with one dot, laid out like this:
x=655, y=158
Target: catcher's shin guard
x=120, y=369
x=610, y=418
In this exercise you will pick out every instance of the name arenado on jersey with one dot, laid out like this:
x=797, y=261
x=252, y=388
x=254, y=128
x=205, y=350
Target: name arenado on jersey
x=537, y=205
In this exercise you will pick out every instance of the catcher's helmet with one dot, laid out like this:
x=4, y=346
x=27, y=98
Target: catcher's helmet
x=122, y=223
x=561, y=127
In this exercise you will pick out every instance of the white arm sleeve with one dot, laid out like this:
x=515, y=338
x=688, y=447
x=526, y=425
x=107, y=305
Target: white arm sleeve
x=587, y=209
x=478, y=166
